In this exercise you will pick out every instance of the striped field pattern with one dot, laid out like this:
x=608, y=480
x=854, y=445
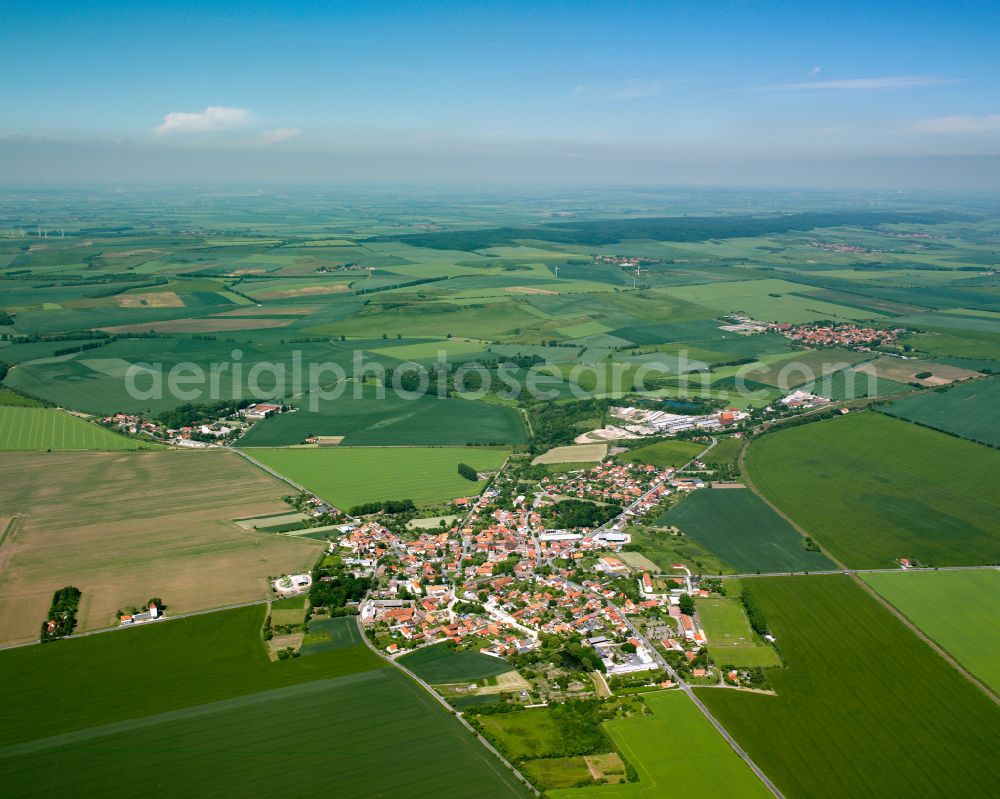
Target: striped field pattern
x=47, y=428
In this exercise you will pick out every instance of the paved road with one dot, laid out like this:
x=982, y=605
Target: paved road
x=851, y=571
x=430, y=689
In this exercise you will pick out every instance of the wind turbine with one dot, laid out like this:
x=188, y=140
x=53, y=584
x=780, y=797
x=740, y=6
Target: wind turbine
x=556, y=268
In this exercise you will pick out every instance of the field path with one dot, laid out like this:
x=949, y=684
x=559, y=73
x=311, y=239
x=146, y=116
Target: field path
x=925, y=638
x=277, y=475
x=853, y=573
x=749, y=483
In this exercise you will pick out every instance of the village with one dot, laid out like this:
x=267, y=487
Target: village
x=507, y=580
x=222, y=430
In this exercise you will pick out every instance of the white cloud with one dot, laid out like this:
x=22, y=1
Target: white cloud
x=815, y=71
x=865, y=84
x=632, y=89
x=958, y=124
x=278, y=135
x=213, y=118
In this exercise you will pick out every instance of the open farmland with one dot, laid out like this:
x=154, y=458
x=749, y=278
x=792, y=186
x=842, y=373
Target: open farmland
x=219, y=709
x=908, y=371
x=730, y=639
x=438, y=664
x=664, y=453
x=967, y=410
x=956, y=609
x=740, y=528
x=574, y=453
x=392, y=421
x=198, y=660
x=348, y=476
x=664, y=549
x=124, y=527
x=864, y=707
x=873, y=489
x=703, y=764
x=27, y=428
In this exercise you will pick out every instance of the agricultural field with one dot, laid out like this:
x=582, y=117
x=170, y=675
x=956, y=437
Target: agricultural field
x=926, y=373
x=525, y=734
x=703, y=764
x=9, y=398
x=966, y=410
x=872, y=489
x=739, y=527
x=136, y=525
x=664, y=549
x=725, y=454
x=348, y=476
x=392, y=421
x=28, y=428
x=730, y=639
x=864, y=708
x=574, y=453
x=213, y=719
x=768, y=300
x=664, y=453
x=439, y=664
x=955, y=609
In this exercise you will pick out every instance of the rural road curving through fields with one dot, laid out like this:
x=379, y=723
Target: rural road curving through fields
x=446, y=706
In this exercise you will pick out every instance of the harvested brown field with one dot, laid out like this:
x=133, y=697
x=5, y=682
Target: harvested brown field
x=123, y=527
x=273, y=310
x=205, y=325
x=305, y=291
x=906, y=370
x=575, y=453
x=530, y=290
x=638, y=561
x=150, y=299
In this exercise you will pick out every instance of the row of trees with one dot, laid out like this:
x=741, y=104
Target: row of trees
x=390, y=506
x=468, y=472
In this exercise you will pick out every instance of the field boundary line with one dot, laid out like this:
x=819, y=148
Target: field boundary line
x=278, y=475
x=940, y=650
x=11, y=529
x=451, y=711
x=749, y=483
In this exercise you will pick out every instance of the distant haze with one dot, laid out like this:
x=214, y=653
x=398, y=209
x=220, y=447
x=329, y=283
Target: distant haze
x=726, y=93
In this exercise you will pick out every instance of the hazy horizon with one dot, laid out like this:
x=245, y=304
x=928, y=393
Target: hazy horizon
x=733, y=94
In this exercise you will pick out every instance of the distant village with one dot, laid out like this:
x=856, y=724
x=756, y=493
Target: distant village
x=220, y=431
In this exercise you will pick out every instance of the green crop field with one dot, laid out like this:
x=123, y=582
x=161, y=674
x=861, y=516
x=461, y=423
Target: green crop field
x=439, y=664
x=956, y=609
x=664, y=453
x=27, y=428
x=330, y=633
x=967, y=410
x=874, y=489
x=521, y=734
x=348, y=476
x=218, y=708
x=740, y=528
x=196, y=660
x=676, y=752
x=864, y=708
x=665, y=549
x=11, y=398
x=730, y=639
x=392, y=421
x=725, y=453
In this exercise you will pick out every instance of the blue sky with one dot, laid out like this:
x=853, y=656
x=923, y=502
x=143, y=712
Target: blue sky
x=567, y=85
